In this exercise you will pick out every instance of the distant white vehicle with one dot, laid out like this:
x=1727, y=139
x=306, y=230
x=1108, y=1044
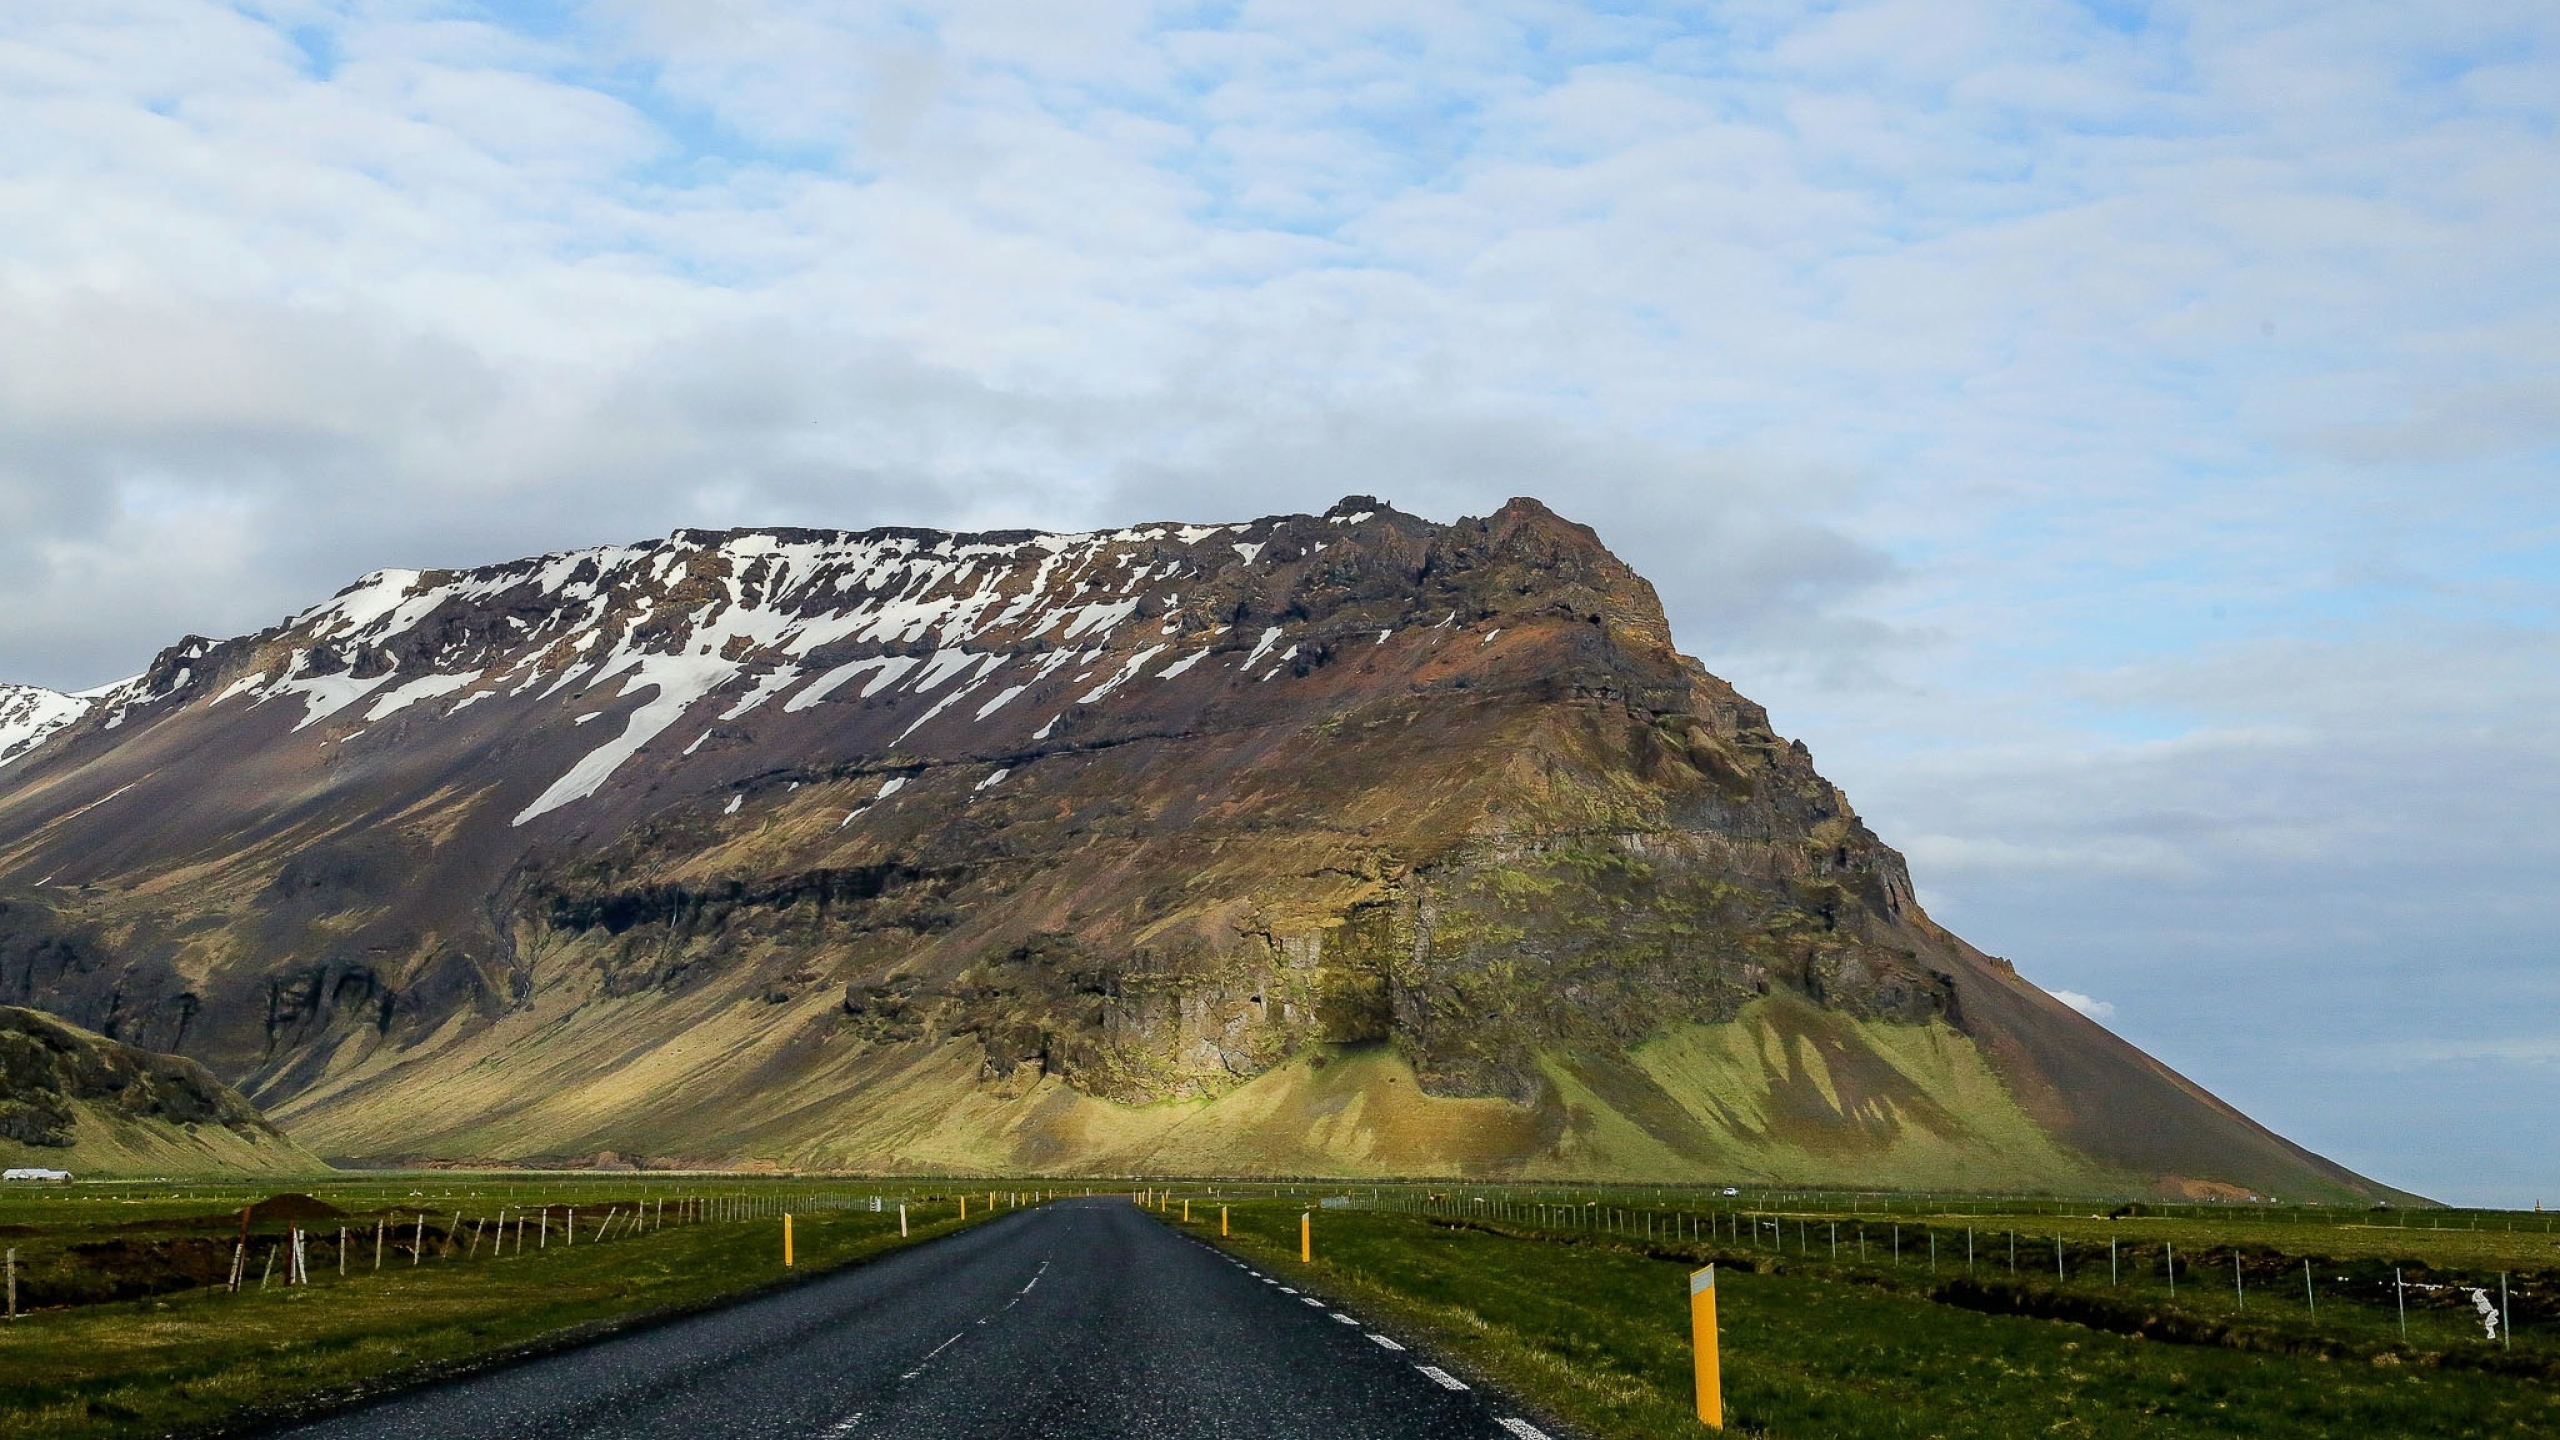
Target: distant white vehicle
x=1729, y=1190
x=33, y=1172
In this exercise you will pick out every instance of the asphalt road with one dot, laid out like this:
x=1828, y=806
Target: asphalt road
x=1081, y=1320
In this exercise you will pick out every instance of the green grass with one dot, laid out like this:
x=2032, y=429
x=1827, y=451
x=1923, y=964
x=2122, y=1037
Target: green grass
x=1597, y=1330
x=1586, y=1316
x=200, y=1357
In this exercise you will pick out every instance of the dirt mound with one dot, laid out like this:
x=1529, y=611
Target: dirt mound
x=294, y=1205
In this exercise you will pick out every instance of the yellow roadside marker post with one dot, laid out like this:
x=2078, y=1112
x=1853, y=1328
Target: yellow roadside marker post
x=964, y=1207
x=786, y=1240
x=902, y=1220
x=1186, y=1212
x=1306, y=1237
x=1702, y=1327
x=1222, y=1221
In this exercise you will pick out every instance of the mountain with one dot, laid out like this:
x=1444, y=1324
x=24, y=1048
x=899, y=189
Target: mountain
x=74, y=1100
x=29, y=714
x=1340, y=844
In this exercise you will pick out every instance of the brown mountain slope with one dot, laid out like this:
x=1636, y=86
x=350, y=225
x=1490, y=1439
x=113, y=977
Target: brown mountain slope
x=77, y=1101
x=1342, y=843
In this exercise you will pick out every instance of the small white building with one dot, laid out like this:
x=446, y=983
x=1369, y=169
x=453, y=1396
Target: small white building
x=33, y=1172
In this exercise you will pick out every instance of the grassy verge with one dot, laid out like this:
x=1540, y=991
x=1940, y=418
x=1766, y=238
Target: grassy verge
x=202, y=1359
x=1598, y=1332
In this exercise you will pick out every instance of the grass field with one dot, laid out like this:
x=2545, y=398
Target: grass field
x=194, y=1355
x=1837, y=1320
x=1589, y=1317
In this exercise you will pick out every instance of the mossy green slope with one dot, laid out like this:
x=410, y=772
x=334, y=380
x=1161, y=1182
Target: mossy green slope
x=71, y=1099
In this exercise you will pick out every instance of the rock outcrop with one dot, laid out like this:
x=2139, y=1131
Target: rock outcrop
x=74, y=1100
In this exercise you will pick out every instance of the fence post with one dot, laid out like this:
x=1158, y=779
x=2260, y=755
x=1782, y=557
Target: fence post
x=2506, y=1323
x=902, y=1219
x=342, y=1252
x=2400, y=1291
x=2310, y=1298
x=13, y=1284
x=381, y=1224
x=418, y=1247
x=1702, y=1338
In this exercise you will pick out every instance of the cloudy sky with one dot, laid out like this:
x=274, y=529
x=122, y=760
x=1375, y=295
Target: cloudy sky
x=2120, y=438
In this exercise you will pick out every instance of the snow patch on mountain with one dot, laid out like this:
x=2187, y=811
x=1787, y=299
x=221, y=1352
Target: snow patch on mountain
x=29, y=716
x=643, y=634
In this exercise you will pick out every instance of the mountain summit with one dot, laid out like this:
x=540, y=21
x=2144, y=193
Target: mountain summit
x=1334, y=844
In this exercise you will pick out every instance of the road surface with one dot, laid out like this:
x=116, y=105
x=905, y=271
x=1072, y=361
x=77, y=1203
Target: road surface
x=1081, y=1320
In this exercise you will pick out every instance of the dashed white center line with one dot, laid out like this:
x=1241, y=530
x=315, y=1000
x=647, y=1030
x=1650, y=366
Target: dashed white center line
x=1310, y=1300
x=1285, y=1290
x=1522, y=1428
x=1345, y=1319
x=846, y=1425
x=1383, y=1340
x=1445, y=1380
x=936, y=1350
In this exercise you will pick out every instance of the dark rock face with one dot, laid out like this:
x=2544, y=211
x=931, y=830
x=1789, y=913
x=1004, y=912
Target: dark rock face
x=1137, y=816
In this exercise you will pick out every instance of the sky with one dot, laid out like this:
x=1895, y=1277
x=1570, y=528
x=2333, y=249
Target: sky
x=2121, y=439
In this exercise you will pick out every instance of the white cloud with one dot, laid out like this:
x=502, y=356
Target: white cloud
x=2094, y=1009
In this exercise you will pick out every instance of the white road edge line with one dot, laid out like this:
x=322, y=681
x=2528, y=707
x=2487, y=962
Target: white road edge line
x=1383, y=1340
x=1345, y=1319
x=1446, y=1380
x=1521, y=1428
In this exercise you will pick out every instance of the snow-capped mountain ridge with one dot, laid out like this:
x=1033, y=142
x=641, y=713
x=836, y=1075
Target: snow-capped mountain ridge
x=29, y=715
x=750, y=617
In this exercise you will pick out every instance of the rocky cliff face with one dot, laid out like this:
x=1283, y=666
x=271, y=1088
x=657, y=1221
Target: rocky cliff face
x=1339, y=842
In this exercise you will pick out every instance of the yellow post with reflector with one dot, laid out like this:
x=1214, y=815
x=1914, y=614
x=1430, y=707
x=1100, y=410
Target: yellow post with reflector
x=1222, y=1221
x=1702, y=1330
x=786, y=1240
x=964, y=1207
x=1306, y=1237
